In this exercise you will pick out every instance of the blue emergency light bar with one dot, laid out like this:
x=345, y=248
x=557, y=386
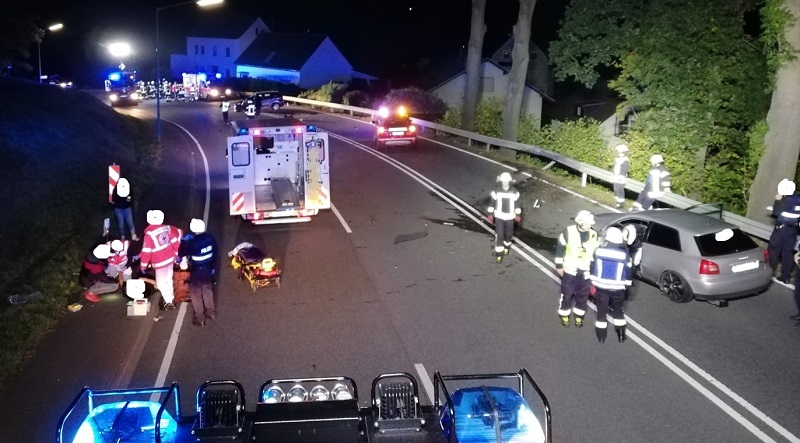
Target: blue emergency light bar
x=115, y=76
x=202, y=76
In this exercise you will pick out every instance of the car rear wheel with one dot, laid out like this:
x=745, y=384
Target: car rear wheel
x=276, y=106
x=675, y=287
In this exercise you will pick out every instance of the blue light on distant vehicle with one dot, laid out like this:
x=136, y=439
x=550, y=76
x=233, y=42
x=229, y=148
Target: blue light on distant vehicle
x=242, y=131
x=218, y=75
x=114, y=76
x=202, y=77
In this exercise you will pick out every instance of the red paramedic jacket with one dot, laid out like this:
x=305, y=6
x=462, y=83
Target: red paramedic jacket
x=160, y=245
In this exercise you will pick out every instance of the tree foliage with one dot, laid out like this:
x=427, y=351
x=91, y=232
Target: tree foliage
x=695, y=77
x=18, y=33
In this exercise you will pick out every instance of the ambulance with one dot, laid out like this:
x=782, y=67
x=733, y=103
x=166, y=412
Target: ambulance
x=278, y=170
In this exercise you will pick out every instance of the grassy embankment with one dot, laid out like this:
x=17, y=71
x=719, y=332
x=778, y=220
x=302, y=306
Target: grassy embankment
x=55, y=148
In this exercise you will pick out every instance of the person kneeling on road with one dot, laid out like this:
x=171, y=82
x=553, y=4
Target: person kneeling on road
x=93, y=275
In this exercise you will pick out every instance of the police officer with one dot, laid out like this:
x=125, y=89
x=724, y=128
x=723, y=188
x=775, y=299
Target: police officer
x=621, y=166
x=656, y=184
x=786, y=212
x=574, y=251
x=610, y=275
x=504, y=211
x=225, y=105
x=201, y=250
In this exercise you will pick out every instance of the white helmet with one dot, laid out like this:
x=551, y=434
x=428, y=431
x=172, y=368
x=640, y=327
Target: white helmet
x=155, y=217
x=116, y=245
x=786, y=187
x=622, y=148
x=102, y=251
x=584, y=218
x=123, y=188
x=656, y=159
x=197, y=226
x=504, y=177
x=614, y=235
x=630, y=234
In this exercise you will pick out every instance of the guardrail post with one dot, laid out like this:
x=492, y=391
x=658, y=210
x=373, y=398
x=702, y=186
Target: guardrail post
x=583, y=180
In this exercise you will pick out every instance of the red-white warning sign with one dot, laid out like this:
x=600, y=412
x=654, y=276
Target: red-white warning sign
x=113, y=178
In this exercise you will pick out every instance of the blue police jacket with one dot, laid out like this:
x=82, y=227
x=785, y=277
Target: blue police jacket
x=202, y=253
x=787, y=210
x=610, y=268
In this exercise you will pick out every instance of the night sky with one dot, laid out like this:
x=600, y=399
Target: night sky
x=379, y=37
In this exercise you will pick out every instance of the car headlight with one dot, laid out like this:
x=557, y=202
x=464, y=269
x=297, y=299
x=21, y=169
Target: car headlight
x=228, y=92
x=341, y=392
x=320, y=393
x=213, y=93
x=113, y=97
x=135, y=96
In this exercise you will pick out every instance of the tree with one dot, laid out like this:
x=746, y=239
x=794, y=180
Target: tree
x=520, y=57
x=782, y=32
x=474, y=52
x=17, y=32
x=693, y=74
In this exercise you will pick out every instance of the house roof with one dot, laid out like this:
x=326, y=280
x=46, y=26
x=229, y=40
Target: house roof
x=222, y=25
x=281, y=50
x=455, y=68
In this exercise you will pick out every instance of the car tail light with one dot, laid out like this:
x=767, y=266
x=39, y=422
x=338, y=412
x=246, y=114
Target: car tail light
x=412, y=128
x=381, y=129
x=708, y=267
x=766, y=256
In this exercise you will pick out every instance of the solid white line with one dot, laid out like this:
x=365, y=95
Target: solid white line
x=341, y=219
x=425, y=379
x=469, y=210
x=205, y=165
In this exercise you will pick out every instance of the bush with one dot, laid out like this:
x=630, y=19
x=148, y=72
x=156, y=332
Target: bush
x=451, y=118
x=355, y=98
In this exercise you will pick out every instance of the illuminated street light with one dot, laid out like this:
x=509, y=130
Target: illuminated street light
x=200, y=3
x=119, y=49
x=55, y=27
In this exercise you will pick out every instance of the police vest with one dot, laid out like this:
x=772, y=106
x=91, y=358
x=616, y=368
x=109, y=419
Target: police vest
x=610, y=268
x=578, y=255
x=202, y=251
x=225, y=106
x=788, y=210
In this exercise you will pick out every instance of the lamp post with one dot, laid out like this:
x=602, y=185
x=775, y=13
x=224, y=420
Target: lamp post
x=200, y=3
x=54, y=27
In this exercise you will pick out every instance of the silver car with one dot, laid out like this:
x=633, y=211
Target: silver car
x=690, y=255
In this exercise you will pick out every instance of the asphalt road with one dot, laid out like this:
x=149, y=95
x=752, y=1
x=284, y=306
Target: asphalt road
x=405, y=281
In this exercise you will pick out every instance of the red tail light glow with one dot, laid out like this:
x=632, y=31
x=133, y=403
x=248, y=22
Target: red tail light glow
x=766, y=256
x=412, y=128
x=708, y=267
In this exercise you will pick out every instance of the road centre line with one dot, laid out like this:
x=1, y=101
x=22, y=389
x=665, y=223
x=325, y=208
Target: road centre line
x=469, y=211
x=426, y=381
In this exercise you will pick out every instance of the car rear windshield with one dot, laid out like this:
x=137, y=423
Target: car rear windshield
x=396, y=121
x=709, y=246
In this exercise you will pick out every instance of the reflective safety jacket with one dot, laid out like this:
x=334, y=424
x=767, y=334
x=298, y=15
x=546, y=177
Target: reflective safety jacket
x=575, y=249
x=657, y=182
x=119, y=258
x=621, y=167
x=610, y=268
x=202, y=252
x=225, y=106
x=504, y=203
x=160, y=245
x=787, y=210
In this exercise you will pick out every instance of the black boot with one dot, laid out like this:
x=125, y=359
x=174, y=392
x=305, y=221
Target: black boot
x=621, y=333
x=601, y=333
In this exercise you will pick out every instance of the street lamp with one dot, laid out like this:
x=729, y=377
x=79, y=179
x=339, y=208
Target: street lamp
x=200, y=3
x=55, y=27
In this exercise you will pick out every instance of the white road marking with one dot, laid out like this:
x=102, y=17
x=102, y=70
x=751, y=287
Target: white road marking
x=426, y=381
x=341, y=219
x=469, y=211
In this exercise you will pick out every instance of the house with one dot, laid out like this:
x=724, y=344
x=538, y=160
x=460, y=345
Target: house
x=242, y=46
x=447, y=79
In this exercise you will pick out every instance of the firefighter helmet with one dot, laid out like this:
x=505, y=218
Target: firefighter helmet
x=786, y=187
x=614, y=235
x=504, y=177
x=621, y=148
x=584, y=218
x=197, y=226
x=656, y=159
x=155, y=217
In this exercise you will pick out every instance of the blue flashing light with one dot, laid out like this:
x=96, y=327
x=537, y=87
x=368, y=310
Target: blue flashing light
x=114, y=76
x=311, y=128
x=242, y=131
x=121, y=420
x=202, y=77
x=474, y=416
x=218, y=75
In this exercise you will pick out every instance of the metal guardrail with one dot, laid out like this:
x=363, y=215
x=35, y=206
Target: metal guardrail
x=752, y=227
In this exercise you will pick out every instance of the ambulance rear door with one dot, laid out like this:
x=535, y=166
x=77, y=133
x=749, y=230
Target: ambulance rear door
x=241, y=175
x=317, y=173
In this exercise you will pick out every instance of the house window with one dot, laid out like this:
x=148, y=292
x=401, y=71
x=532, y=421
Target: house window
x=214, y=51
x=227, y=52
x=196, y=49
x=202, y=50
x=487, y=84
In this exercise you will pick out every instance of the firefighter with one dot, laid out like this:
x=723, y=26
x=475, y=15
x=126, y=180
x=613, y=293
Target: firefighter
x=656, y=184
x=621, y=166
x=610, y=276
x=225, y=106
x=574, y=252
x=786, y=212
x=159, y=248
x=503, y=211
x=201, y=249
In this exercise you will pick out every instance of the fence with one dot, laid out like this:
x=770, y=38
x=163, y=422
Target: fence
x=752, y=227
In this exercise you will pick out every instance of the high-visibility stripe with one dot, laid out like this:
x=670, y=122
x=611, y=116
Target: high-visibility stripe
x=237, y=201
x=163, y=263
x=619, y=321
x=113, y=179
x=199, y=258
x=601, y=324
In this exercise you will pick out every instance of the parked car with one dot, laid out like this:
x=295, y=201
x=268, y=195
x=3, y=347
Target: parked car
x=262, y=99
x=394, y=128
x=691, y=255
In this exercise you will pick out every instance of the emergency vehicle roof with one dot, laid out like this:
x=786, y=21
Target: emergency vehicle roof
x=269, y=123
